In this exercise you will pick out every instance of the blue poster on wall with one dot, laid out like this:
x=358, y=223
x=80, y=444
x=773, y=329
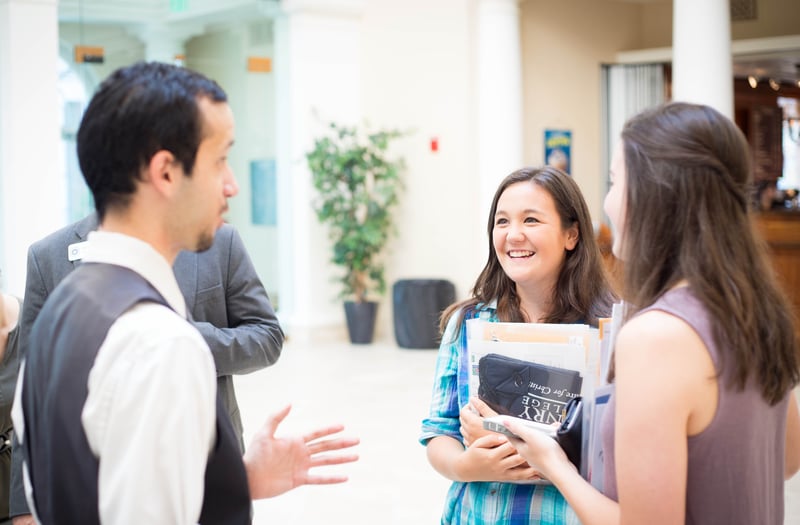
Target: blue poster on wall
x=263, y=192
x=558, y=148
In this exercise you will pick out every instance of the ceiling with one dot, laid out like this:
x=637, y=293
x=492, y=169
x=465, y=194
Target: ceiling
x=781, y=63
x=131, y=12
x=783, y=66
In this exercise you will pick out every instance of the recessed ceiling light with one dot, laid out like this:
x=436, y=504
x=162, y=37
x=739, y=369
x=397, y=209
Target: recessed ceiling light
x=774, y=84
x=753, y=81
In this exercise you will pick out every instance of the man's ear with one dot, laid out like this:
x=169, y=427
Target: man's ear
x=163, y=170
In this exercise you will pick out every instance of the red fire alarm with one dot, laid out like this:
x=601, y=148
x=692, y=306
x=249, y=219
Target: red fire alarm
x=435, y=144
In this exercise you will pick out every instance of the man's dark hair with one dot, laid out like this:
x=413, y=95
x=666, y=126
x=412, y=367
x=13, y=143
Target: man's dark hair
x=137, y=111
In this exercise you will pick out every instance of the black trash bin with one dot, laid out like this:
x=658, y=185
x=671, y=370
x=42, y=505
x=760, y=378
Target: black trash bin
x=417, y=305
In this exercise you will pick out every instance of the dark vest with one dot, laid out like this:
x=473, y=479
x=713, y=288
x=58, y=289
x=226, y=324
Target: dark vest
x=64, y=342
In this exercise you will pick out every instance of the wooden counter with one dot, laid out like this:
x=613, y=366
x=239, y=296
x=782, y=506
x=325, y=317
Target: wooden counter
x=781, y=230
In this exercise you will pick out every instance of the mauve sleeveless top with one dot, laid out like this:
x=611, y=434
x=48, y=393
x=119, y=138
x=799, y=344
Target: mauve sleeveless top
x=735, y=466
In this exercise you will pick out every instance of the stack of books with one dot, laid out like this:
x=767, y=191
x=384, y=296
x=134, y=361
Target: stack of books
x=532, y=370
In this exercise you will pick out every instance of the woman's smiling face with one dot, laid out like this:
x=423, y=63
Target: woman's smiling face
x=528, y=237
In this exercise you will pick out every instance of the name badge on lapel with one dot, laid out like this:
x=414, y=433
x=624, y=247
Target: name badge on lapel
x=77, y=251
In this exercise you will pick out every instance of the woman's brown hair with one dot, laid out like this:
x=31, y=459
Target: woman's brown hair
x=687, y=217
x=582, y=293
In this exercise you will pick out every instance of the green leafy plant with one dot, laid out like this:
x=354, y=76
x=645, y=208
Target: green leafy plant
x=357, y=186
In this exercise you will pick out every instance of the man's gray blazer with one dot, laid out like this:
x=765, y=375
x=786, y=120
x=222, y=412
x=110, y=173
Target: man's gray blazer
x=224, y=296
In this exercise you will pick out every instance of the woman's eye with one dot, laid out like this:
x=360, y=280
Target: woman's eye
x=530, y=220
x=500, y=222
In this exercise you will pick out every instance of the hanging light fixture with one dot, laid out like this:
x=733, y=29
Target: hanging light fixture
x=753, y=81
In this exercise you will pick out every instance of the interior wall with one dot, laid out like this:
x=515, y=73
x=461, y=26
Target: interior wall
x=418, y=76
x=773, y=18
x=120, y=48
x=222, y=55
x=564, y=45
x=30, y=202
x=656, y=25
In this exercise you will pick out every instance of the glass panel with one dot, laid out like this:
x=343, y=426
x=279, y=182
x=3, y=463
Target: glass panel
x=791, y=144
x=73, y=99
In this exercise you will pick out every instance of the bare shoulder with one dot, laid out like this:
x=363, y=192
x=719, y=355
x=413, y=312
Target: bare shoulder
x=660, y=339
x=662, y=355
x=11, y=307
x=659, y=329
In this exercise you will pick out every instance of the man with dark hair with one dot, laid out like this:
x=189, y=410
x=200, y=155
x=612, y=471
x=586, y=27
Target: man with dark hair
x=228, y=304
x=115, y=409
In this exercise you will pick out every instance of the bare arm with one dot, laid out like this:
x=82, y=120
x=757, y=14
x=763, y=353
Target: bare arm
x=591, y=506
x=792, y=464
x=3, y=329
x=487, y=457
x=680, y=401
x=651, y=473
x=9, y=318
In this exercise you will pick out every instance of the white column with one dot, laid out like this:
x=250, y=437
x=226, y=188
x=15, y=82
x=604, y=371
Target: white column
x=318, y=75
x=702, y=69
x=32, y=184
x=499, y=96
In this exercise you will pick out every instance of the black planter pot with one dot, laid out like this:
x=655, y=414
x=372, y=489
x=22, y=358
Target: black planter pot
x=360, y=320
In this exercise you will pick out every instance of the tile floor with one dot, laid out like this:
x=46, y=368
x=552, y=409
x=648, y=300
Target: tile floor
x=380, y=392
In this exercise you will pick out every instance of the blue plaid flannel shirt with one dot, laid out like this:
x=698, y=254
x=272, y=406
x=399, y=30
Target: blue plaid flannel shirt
x=482, y=503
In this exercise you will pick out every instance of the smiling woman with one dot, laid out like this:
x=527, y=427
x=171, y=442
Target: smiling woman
x=531, y=243
x=544, y=265
x=543, y=211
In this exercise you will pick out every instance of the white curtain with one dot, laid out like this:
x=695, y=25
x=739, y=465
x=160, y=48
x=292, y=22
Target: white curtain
x=628, y=89
x=631, y=89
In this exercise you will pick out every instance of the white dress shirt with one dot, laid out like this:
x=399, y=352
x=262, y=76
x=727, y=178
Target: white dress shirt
x=151, y=408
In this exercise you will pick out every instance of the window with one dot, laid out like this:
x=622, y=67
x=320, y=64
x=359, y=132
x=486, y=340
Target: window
x=790, y=178
x=72, y=100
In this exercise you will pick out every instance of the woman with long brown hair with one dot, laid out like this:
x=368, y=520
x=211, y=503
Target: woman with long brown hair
x=543, y=266
x=703, y=425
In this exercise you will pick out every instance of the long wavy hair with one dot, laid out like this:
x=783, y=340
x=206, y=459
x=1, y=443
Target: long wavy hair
x=687, y=217
x=582, y=292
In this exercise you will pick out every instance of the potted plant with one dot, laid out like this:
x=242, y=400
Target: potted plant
x=357, y=188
